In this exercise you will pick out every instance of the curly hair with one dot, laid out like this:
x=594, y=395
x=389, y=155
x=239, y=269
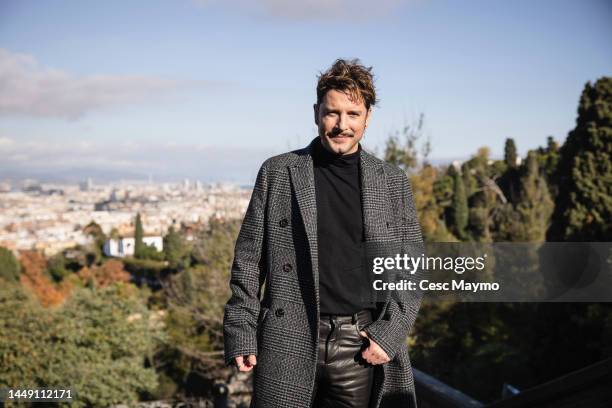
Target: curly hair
x=351, y=77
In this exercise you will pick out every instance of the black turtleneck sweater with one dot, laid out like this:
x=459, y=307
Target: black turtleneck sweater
x=342, y=279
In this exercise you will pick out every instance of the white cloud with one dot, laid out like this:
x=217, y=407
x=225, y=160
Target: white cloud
x=6, y=143
x=163, y=159
x=27, y=88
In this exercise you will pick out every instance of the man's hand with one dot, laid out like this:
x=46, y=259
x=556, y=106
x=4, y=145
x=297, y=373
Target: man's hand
x=246, y=364
x=374, y=354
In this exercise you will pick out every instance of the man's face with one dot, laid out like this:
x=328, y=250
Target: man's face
x=341, y=121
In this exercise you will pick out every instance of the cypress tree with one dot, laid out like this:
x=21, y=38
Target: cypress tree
x=138, y=234
x=509, y=182
x=459, y=206
x=584, y=201
x=548, y=158
x=510, y=153
x=535, y=205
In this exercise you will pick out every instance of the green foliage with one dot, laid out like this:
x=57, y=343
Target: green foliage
x=114, y=234
x=10, y=269
x=397, y=155
x=150, y=252
x=510, y=155
x=214, y=246
x=176, y=250
x=196, y=297
x=94, y=230
x=492, y=201
x=584, y=174
x=195, y=315
x=95, y=251
x=535, y=205
x=144, y=269
x=142, y=250
x=443, y=190
x=548, y=159
x=459, y=207
x=57, y=267
x=138, y=234
x=476, y=347
x=402, y=148
x=97, y=342
x=24, y=325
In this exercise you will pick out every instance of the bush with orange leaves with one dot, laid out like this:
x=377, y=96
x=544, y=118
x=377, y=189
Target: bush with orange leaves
x=103, y=275
x=35, y=278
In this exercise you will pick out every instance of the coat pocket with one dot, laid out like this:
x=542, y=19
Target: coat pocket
x=263, y=312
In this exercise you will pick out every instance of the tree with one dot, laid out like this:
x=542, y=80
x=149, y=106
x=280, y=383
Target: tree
x=138, y=234
x=459, y=208
x=150, y=252
x=404, y=154
x=94, y=230
x=111, y=271
x=196, y=297
x=95, y=252
x=24, y=325
x=535, y=205
x=175, y=250
x=214, y=245
x=35, y=277
x=548, y=158
x=584, y=202
x=510, y=156
x=98, y=342
x=9, y=265
x=57, y=267
x=429, y=211
x=114, y=234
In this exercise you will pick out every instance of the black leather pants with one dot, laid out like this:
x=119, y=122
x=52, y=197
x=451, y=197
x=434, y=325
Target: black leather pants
x=343, y=378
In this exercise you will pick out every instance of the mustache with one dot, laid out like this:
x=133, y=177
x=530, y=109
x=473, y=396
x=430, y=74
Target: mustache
x=340, y=134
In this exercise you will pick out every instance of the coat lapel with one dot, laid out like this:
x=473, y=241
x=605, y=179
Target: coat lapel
x=373, y=198
x=302, y=179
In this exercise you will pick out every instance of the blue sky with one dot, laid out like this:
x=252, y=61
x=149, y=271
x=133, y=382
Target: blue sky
x=208, y=89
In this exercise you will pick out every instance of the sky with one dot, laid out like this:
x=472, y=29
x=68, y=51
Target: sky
x=209, y=89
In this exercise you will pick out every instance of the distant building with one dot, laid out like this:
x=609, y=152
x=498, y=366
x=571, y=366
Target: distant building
x=5, y=187
x=125, y=246
x=31, y=185
x=86, y=185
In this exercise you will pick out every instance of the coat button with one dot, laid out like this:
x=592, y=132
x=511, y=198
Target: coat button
x=283, y=223
x=287, y=267
x=279, y=313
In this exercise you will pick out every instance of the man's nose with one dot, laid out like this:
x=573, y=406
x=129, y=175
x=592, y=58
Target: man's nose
x=342, y=123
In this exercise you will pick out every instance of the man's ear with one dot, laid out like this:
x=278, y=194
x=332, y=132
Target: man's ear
x=316, y=113
x=368, y=116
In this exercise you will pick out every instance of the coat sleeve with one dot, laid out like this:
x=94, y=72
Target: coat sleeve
x=399, y=312
x=247, y=276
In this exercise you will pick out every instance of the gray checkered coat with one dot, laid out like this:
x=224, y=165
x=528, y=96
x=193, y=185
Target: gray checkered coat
x=277, y=249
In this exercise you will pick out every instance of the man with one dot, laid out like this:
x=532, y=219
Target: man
x=313, y=339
